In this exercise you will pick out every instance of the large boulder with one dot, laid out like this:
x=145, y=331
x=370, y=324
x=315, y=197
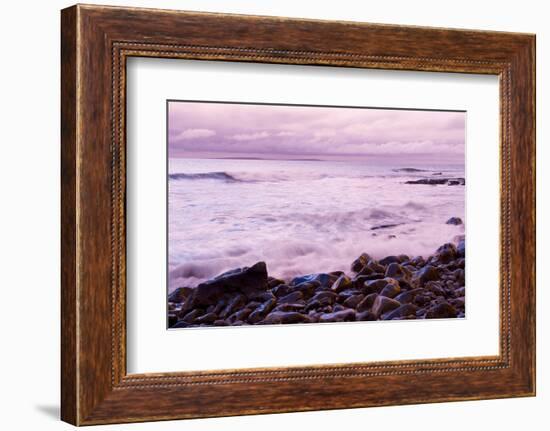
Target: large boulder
x=248, y=281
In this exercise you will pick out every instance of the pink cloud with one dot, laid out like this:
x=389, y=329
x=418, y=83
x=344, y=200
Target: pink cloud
x=227, y=129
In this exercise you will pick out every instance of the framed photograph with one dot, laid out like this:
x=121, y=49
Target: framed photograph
x=323, y=214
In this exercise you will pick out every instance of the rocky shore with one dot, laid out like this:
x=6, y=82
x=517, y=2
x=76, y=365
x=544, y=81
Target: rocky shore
x=393, y=288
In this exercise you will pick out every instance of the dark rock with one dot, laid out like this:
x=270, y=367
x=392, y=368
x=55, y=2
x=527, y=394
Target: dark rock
x=238, y=301
x=439, y=181
x=375, y=266
x=341, y=283
x=323, y=298
x=280, y=290
x=391, y=290
x=365, y=316
x=383, y=304
x=322, y=279
x=291, y=297
x=297, y=306
x=207, y=318
x=180, y=294
x=365, y=271
x=428, y=273
x=220, y=322
x=435, y=287
x=279, y=317
x=375, y=286
x=398, y=272
x=421, y=299
x=454, y=221
x=366, y=303
x=446, y=253
x=180, y=324
x=359, y=263
x=402, y=311
x=346, y=315
x=262, y=311
x=172, y=319
x=389, y=259
x=441, y=311
x=461, y=291
x=240, y=315
x=262, y=296
x=274, y=282
x=461, y=248
x=191, y=315
x=353, y=300
x=307, y=288
x=248, y=281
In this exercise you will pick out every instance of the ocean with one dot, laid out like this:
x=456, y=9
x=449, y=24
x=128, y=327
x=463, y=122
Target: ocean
x=302, y=216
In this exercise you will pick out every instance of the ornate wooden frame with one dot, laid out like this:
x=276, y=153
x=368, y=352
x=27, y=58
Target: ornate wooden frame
x=96, y=41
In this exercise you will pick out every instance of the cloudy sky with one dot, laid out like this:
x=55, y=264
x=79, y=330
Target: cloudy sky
x=218, y=130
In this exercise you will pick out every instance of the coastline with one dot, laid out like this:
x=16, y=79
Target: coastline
x=397, y=287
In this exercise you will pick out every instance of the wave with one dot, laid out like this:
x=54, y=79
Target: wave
x=223, y=176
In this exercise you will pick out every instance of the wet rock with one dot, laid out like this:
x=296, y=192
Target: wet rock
x=237, y=302
x=190, y=316
x=181, y=324
x=274, y=282
x=389, y=259
x=446, y=253
x=280, y=317
x=220, y=322
x=240, y=315
x=206, y=319
x=180, y=294
x=262, y=296
x=439, y=181
x=297, y=306
x=391, y=290
x=247, y=280
x=398, y=272
x=365, y=316
x=375, y=286
x=427, y=273
x=401, y=312
x=342, y=283
x=454, y=221
x=291, y=297
x=261, y=312
x=383, y=304
x=172, y=319
x=366, y=303
x=323, y=298
x=307, y=289
x=346, y=315
x=461, y=291
x=353, y=300
x=322, y=279
x=421, y=299
x=281, y=290
x=461, y=248
x=441, y=311
x=375, y=266
x=359, y=263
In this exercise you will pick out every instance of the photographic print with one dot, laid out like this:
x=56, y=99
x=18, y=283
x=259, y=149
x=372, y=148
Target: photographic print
x=298, y=214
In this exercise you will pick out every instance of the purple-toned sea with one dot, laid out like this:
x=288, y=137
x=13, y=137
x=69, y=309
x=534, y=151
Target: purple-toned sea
x=302, y=216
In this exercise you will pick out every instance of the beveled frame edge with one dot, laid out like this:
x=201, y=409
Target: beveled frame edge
x=96, y=41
